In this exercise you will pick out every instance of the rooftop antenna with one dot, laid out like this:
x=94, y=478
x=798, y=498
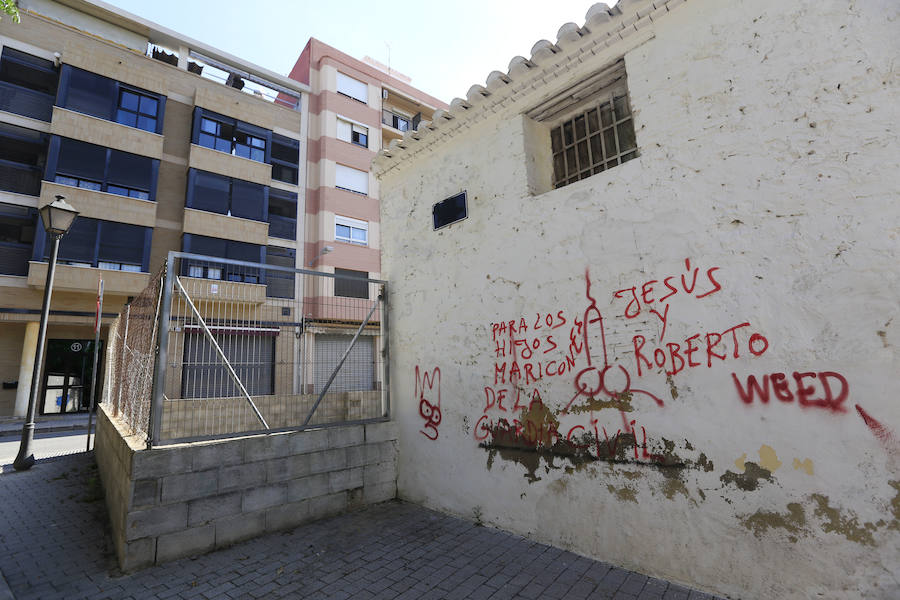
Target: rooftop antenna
x=389, y=57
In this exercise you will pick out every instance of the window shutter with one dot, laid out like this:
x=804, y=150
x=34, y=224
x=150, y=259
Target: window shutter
x=247, y=200
x=351, y=179
x=80, y=159
x=130, y=170
x=210, y=192
x=353, y=88
x=120, y=242
x=343, y=130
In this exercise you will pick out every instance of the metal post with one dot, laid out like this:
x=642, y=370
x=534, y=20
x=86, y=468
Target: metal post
x=386, y=355
x=96, y=358
x=162, y=354
x=25, y=458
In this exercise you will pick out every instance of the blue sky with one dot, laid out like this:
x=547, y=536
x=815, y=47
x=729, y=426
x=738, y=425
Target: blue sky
x=444, y=47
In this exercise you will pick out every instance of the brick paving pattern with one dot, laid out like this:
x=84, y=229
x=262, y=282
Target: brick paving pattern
x=54, y=543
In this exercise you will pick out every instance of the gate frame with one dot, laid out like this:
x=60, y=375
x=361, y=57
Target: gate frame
x=162, y=347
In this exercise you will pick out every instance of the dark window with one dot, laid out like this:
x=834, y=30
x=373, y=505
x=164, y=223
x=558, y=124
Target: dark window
x=360, y=139
x=106, y=98
x=103, y=169
x=449, y=211
x=27, y=84
x=395, y=120
x=282, y=214
x=219, y=248
x=23, y=156
x=137, y=110
x=17, y=225
x=229, y=135
x=280, y=284
x=226, y=196
x=205, y=376
x=104, y=244
x=285, y=159
x=89, y=93
x=351, y=284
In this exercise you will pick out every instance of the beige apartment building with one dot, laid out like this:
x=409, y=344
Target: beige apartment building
x=161, y=143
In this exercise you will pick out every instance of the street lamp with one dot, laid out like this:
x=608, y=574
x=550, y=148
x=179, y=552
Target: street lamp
x=325, y=250
x=57, y=218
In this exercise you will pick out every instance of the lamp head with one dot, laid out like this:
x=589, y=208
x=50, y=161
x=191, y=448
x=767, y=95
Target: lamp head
x=58, y=216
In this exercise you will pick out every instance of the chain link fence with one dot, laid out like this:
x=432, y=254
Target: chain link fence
x=247, y=347
x=130, y=359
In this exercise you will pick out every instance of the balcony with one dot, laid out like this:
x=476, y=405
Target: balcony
x=210, y=224
x=282, y=227
x=203, y=291
x=23, y=101
x=206, y=159
x=14, y=258
x=84, y=279
x=102, y=205
x=19, y=178
x=78, y=126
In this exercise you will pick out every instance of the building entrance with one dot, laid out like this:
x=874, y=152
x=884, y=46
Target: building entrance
x=67, y=376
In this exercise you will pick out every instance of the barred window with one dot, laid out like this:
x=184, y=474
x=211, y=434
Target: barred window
x=591, y=126
x=598, y=139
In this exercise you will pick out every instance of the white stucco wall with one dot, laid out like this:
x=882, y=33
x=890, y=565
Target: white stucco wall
x=769, y=161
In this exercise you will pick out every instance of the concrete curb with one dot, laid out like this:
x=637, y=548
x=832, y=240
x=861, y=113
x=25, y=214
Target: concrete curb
x=5, y=433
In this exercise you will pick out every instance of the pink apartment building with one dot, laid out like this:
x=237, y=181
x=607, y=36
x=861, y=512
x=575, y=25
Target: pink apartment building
x=356, y=108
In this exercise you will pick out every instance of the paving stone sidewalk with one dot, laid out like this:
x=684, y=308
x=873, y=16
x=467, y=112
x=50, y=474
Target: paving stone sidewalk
x=55, y=543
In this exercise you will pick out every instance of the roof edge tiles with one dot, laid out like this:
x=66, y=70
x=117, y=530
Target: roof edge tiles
x=604, y=28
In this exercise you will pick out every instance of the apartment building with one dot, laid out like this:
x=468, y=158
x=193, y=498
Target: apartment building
x=356, y=108
x=162, y=143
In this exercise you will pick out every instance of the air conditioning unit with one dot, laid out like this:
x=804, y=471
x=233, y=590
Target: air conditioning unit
x=384, y=94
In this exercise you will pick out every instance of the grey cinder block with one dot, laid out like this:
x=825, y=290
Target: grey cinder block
x=187, y=486
x=240, y=477
x=328, y=460
x=381, y=432
x=159, y=462
x=307, y=487
x=287, y=515
x=217, y=454
x=240, y=527
x=185, y=543
x=289, y=467
x=345, y=479
x=264, y=497
x=146, y=493
x=212, y=508
x=155, y=521
x=341, y=437
x=309, y=441
x=268, y=446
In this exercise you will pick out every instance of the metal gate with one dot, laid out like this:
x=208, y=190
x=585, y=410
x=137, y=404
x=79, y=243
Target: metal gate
x=246, y=347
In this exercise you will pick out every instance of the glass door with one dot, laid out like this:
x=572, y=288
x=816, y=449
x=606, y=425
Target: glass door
x=67, y=376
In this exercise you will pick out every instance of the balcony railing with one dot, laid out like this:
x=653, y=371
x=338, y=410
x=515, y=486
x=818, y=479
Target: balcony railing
x=14, y=258
x=25, y=102
x=282, y=227
x=19, y=178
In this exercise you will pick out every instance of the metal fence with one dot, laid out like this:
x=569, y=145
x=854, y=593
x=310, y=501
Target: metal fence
x=245, y=347
x=130, y=354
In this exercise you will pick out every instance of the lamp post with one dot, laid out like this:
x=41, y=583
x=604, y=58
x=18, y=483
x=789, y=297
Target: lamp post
x=57, y=218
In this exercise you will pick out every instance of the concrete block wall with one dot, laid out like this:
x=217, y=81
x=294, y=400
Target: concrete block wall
x=166, y=503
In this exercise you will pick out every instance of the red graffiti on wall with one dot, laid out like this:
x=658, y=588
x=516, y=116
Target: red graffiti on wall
x=428, y=409
x=881, y=433
x=778, y=385
x=592, y=381
x=648, y=293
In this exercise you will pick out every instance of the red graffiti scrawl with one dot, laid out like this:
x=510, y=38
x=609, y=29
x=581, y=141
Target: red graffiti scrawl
x=882, y=433
x=429, y=409
x=591, y=381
